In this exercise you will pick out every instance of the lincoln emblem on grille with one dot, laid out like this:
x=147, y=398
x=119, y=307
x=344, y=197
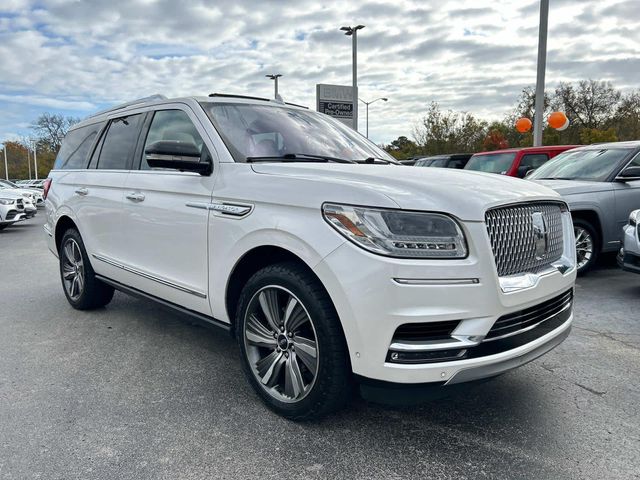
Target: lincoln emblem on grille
x=540, y=234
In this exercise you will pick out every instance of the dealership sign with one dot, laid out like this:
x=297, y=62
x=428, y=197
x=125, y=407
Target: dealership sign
x=336, y=101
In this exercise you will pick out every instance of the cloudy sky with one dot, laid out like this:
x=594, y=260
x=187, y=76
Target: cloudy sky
x=77, y=56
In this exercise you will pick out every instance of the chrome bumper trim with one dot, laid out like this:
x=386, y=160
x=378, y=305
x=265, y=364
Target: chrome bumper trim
x=459, y=341
x=437, y=281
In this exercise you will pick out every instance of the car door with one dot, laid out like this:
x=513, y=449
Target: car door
x=166, y=217
x=99, y=190
x=627, y=198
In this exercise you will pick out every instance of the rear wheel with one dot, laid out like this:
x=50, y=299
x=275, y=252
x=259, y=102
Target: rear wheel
x=293, y=350
x=3, y=226
x=587, y=245
x=81, y=287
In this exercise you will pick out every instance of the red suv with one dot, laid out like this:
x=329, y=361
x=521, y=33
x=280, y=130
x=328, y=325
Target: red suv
x=514, y=162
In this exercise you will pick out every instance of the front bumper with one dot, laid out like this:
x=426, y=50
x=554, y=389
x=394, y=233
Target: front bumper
x=375, y=295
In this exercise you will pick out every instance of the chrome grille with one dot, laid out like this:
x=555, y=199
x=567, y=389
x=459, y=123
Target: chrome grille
x=511, y=232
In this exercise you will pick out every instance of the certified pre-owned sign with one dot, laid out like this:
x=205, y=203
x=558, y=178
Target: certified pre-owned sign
x=336, y=101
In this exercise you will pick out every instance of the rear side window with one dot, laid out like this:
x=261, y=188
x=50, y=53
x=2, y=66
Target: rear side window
x=119, y=143
x=534, y=160
x=75, y=147
x=171, y=125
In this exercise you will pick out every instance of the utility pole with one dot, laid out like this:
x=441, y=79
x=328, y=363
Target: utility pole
x=353, y=33
x=542, y=64
x=6, y=170
x=275, y=77
x=35, y=158
x=29, y=161
x=369, y=103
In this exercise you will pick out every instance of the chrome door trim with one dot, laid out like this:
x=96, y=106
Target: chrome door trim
x=231, y=209
x=148, y=276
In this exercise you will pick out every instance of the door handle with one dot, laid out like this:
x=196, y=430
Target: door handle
x=82, y=191
x=136, y=197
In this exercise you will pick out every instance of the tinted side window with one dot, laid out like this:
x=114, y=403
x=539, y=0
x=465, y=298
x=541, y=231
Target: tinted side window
x=75, y=147
x=171, y=125
x=456, y=163
x=534, y=160
x=120, y=143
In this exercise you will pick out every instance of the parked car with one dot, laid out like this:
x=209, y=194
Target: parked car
x=31, y=183
x=455, y=160
x=33, y=194
x=11, y=208
x=601, y=184
x=311, y=245
x=629, y=255
x=514, y=162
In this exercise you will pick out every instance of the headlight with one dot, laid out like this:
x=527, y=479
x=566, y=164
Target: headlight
x=398, y=233
x=6, y=201
x=634, y=217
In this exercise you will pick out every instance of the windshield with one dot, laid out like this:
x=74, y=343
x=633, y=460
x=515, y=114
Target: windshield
x=492, y=163
x=8, y=184
x=251, y=130
x=593, y=164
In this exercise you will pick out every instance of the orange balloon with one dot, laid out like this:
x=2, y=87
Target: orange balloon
x=558, y=120
x=523, y=125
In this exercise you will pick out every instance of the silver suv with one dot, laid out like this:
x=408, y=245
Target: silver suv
x=601, y=184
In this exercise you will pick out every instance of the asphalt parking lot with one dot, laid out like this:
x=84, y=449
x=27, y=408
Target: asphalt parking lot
x=135, y=391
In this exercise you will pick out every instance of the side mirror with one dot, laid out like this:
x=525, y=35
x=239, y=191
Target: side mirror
x=177, y=155
x=523, y=171
x=628, y=174
x=528, y=174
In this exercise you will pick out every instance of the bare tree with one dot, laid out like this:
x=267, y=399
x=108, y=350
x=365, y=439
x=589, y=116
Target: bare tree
x=590, y=104
x=50, y=129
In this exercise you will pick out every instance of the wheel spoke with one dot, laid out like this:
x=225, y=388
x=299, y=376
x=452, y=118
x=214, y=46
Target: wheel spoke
x=68, y=272
x=293, y=382
x=76, y=252
x=80, y=278
x=269, y=304
x=258, y=335
x=307, y=352
x=580, y=234
x=269, y=368
x=73, y=291
x=297, y=319
x=292, y=303
x=68, y=251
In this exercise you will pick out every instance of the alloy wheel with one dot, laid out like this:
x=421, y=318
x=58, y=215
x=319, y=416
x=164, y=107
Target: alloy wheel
x=584, y=246
x=281, y=344
x=72, y=269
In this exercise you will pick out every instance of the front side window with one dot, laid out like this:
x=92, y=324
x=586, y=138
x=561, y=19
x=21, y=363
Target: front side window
x=75, y=147
x=120, y=142
x=251, y=130
x=491, y=163
x=592, y=165
x=533, y=160
x=173, y=125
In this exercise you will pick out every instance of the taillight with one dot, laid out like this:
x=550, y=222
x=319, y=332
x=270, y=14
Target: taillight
x=46, y=187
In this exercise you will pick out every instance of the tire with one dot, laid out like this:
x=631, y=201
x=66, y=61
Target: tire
x=81, y=287
x=587, y=244
x=2, y=227
x=279, y=362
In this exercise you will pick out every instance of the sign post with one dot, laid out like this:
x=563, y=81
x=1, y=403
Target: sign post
x=337, y=101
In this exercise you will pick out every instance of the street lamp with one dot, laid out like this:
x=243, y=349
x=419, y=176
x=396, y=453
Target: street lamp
x=275, y=77
x=369, y=103
x=353, y=33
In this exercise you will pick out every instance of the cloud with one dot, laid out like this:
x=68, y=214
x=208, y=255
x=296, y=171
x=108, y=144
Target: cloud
x=76, y=56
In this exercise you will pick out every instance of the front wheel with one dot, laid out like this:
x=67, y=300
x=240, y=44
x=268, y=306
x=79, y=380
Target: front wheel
x=292, y=346
x=587, y=245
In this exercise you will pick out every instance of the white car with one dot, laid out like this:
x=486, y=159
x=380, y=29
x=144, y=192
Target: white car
x=629, y=256
x=326, y=260
x=34, y=195
x=11, y=209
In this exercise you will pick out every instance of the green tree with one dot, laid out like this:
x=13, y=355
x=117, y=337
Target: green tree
x=402, y=148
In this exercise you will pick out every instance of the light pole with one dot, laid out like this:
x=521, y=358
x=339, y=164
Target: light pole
x=369, y=103
x=35, y=159
x=275, y=77
x=542, y=64
x=353, y=33
x=6, y=171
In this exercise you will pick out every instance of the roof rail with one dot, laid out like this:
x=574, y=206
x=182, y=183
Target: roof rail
x=230, y=95
x=129, y=104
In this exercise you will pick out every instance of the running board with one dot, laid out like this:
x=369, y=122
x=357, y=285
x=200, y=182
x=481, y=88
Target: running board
x=200, y=318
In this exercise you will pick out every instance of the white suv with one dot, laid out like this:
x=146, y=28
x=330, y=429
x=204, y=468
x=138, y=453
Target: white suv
x=328, y=261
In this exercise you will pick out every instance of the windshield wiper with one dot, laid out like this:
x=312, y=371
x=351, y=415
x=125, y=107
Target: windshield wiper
x=298, y=157
x=373, y=160
x=554, y=178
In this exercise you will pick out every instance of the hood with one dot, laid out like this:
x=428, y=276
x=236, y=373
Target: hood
x=462, y=193
x=568, y=187
x=10, y=193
